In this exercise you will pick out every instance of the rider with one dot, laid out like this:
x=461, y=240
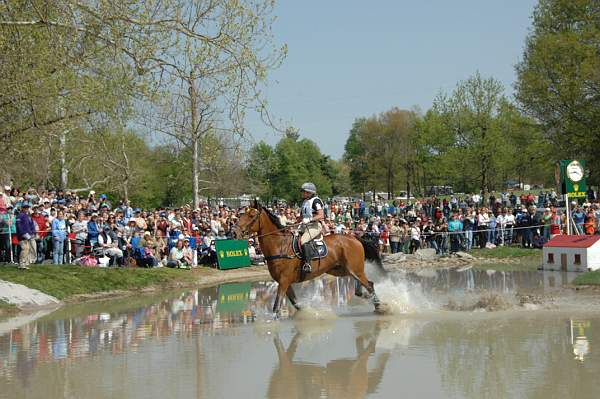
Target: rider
x=312, y=215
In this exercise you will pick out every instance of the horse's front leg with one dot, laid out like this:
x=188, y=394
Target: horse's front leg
x=281, y=290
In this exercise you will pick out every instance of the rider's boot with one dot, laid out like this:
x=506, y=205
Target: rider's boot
x=306, y=255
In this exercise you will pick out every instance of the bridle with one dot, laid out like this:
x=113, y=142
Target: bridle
x=252, y=221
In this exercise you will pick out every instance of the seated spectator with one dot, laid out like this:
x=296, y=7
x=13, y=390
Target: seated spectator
x=148, y=249
x=255, y=258
x=179, y=256
x=108, y=247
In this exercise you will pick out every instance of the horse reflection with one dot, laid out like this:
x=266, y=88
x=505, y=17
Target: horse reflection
x=340, y=378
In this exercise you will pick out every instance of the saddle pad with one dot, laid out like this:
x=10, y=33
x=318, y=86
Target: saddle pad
x=319, y=248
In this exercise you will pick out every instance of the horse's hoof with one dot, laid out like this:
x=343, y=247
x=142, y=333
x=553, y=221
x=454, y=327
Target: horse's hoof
x=382, y=309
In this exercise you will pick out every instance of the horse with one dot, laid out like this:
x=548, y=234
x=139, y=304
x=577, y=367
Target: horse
x=346, y=256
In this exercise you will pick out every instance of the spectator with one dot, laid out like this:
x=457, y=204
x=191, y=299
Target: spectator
x=59, y=235
x=109, y=248
x=26, y=237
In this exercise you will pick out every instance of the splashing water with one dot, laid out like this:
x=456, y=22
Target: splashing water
x=401, y=297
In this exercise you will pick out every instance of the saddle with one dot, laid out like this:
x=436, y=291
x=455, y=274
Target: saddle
x=317, y=245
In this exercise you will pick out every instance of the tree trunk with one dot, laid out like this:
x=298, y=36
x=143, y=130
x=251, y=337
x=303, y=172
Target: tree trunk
x=62, y=151
x=195, y=142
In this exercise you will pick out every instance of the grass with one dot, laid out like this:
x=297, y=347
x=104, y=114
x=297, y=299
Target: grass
x=65, y=281
x=505, y=252
x=588, y=278
x=517, y=259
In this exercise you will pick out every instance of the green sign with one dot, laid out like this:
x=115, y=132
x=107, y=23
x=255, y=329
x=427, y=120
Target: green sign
x=573, y=179
x=232, y=254
x=233, y=298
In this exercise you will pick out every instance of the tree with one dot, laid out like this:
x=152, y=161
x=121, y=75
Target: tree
x=210, y=85
x=465, y=130
x=356, y=157
x=559, y=76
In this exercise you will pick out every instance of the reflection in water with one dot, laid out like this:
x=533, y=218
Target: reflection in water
x=208, y=311
x=339, y=378
x=194, y=344
x=579, y=340
x=457, y=281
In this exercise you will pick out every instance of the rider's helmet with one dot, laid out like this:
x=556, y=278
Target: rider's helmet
x=309, y=187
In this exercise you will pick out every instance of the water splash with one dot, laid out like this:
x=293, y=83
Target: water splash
x=401, y=297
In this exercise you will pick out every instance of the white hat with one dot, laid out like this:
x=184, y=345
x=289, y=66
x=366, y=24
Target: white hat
x=6, y=188
x=180, y=237
x=92, y=192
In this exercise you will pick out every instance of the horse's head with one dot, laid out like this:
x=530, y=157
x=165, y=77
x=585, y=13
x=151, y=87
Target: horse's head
x=248, y=221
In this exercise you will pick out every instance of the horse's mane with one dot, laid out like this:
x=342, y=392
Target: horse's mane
x=274, y=218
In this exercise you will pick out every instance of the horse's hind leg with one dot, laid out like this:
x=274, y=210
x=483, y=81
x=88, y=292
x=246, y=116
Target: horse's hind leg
x=292, y=297
x=362, y=280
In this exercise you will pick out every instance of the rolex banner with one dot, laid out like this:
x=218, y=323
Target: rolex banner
x=573, y=178
x=232, y=254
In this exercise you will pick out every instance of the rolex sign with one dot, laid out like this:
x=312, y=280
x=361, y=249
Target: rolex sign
x=573, y=178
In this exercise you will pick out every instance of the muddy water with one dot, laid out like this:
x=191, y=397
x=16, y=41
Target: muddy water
x=222, y=343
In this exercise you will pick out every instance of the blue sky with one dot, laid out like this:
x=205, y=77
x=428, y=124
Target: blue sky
x=349, y=59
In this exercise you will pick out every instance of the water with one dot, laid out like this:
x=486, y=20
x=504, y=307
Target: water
x=222, y=343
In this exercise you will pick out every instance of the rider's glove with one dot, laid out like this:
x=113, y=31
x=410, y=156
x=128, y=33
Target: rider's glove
x=306, y=221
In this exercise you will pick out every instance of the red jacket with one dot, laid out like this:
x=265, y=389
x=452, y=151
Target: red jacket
x=40, y=220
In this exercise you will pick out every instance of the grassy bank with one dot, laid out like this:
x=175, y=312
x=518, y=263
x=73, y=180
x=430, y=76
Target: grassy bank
x=508, y=259
x=66, y=281
x=588, y=278
x=505, y=252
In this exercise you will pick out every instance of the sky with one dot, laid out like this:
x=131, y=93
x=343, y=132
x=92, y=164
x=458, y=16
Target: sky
x=351, y=59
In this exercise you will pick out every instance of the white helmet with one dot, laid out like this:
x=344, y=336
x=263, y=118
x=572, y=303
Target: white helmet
x=309, y=187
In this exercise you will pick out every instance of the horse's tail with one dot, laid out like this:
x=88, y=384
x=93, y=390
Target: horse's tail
x=371, y=248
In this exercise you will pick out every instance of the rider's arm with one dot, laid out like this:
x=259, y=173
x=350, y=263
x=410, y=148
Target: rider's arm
x=318, y=216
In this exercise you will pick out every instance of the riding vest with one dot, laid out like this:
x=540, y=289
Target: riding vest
x=310, y=206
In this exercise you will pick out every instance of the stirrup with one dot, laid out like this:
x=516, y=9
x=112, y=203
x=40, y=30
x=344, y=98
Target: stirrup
x=306, y=267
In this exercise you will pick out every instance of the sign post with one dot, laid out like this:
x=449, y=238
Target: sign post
x=232, y=254
x=573, y=183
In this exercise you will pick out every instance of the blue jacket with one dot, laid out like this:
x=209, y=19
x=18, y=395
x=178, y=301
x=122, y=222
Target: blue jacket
x=25, y=225
x=59, y=229
x=92, y=230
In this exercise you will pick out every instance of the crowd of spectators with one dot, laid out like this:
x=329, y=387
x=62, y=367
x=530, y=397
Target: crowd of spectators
x=36, y=227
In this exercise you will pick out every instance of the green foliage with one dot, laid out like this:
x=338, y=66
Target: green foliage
x=559, y=77
x=279, y=172
x=468, y=140
x=588, y=278
x=381, y=151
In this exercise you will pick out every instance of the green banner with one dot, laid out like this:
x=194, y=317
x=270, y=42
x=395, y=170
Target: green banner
x=232, y=254
x=573, y=178
x=233, y=298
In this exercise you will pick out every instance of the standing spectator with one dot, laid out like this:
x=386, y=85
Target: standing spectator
x=395, y=232
x=455, y=228
x=59, y=235
x=415, y=237
x=469, y=225
x=80, y=231
x=42, y=232
x=578, y=218
x=26, y=237
x=483, y=222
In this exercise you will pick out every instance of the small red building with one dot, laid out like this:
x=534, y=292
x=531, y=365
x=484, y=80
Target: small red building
x=572, y=253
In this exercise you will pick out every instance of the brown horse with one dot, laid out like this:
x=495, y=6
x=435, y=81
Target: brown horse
x=346, y=255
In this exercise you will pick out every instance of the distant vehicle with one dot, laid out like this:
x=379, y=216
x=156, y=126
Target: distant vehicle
x=439, y=190
x=403, y=195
